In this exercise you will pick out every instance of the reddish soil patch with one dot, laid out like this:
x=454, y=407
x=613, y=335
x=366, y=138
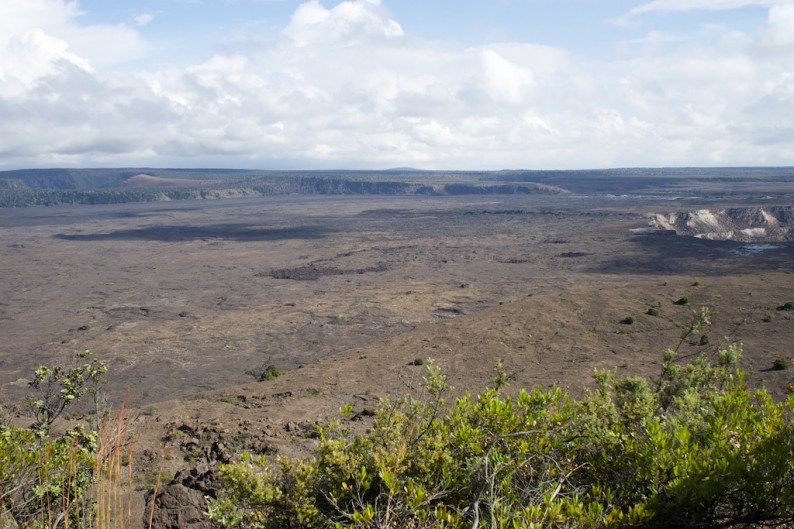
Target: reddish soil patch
x=145, y=180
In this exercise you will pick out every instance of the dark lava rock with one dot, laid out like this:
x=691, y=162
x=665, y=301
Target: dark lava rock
x=181, y=504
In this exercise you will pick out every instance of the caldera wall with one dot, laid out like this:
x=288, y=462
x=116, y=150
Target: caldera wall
x=752, y=224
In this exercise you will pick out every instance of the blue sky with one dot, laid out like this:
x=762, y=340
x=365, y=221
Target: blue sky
x=442, y=84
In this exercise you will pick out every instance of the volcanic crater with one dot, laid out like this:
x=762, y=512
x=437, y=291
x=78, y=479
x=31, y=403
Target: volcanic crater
x=748, y=224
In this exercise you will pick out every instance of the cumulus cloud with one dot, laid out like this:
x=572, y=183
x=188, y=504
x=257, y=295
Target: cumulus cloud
x=780, y=33
x=347, y=86
x=56, y=20
x=31, y=55
x=350, y=23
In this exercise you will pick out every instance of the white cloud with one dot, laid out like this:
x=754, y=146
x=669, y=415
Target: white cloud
x=346, y=86
x=780, y=33
x=28, y=56
x=670, y=6
x=505, y=81
x=22, y=15
x=349, y=23
x=97, y=45
x=143, y=19
x=699, y=5
x=106, y=46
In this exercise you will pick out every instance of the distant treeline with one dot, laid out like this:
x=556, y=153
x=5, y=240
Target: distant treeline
x=30, y=187
x=633, y=180
x=49, y=187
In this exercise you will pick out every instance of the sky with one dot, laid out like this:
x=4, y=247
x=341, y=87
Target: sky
x=376, y=84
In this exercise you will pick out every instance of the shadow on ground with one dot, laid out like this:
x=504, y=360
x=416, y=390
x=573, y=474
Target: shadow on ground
x=236, y=232
x=671, y=254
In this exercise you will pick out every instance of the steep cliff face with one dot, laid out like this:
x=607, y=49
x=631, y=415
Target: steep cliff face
x=773, y=224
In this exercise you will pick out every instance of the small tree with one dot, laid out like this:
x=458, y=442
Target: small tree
x=57, y=388
x=44, y=479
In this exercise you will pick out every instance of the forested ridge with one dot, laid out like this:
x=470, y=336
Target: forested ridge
x=29, y=187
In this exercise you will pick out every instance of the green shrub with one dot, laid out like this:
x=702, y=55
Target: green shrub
x=683, y=300
x=780, y=364
x=64, y=480
x=787, y=306
x=418, y=361
x=628, y=320
x=45, y=479
x=704, y=340
x=692, y=449
x=271, y=371
x=652, y=312
x=767, y=318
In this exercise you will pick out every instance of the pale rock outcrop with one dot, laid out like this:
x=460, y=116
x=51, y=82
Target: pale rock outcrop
x=773, y=224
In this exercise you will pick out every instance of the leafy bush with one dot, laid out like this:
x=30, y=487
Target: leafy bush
x=44, y=480
x=652, y=312
x=63, y=480
x=683, y=300
x=628, y=320
x=780, y=364
x=787, y=306
x=271, y=371
x=694, y=448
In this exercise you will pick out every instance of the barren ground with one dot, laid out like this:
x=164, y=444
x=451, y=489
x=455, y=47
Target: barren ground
x=188, y=302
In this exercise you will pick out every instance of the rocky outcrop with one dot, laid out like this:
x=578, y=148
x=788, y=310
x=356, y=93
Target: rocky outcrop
x=773, y=224
x=182, y=504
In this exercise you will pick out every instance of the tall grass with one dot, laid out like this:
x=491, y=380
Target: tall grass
x=156, y=488
x=113, y=468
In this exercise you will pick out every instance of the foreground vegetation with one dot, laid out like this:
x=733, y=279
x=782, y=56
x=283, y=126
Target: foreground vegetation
x=77, y=478
x=693, y=448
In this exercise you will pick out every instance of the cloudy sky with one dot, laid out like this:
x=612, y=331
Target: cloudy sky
x=436, y=84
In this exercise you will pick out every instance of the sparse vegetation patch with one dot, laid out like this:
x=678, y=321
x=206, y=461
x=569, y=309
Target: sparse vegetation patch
x=780, y=364
x=271, y=371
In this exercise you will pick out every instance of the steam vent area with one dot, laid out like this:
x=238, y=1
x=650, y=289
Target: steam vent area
x=754, y=225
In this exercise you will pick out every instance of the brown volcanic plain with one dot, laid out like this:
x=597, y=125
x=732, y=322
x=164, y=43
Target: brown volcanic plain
x=189, y=301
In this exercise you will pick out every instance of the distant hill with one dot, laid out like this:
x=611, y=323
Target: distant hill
x=102, y=186
x=28, y=187
x=650, y=179
x=145, y=180
x=93, y=178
